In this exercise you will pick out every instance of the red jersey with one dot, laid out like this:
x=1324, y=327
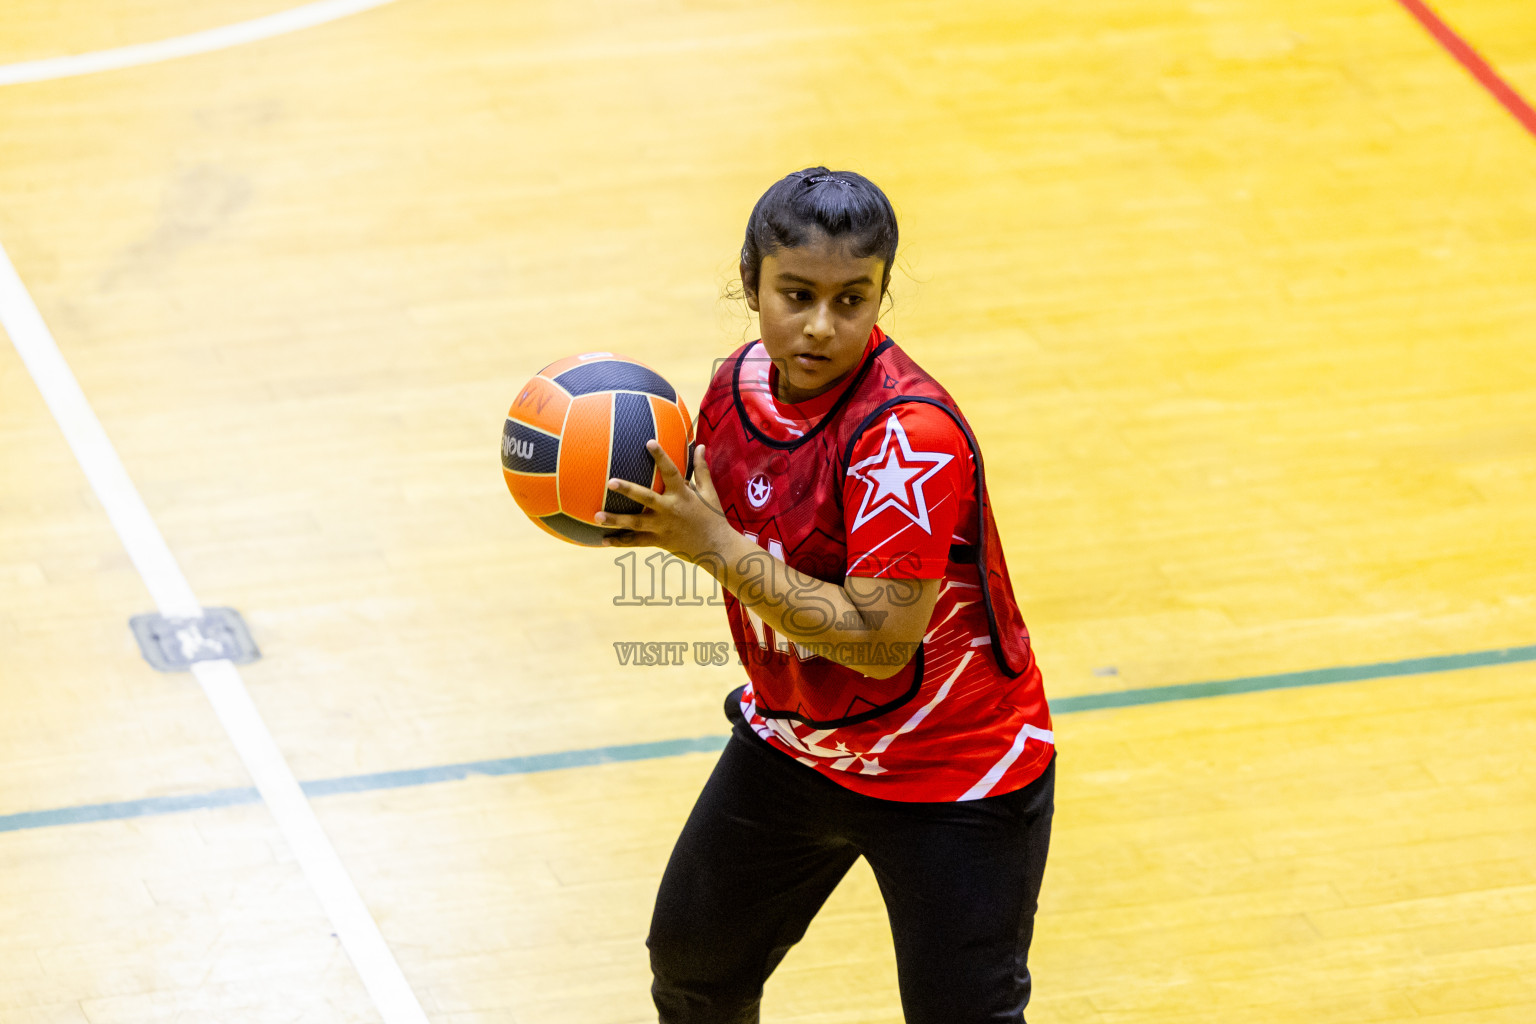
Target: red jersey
x=878, y=478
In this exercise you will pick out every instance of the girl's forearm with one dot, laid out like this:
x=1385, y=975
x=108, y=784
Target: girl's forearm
x=823, y=616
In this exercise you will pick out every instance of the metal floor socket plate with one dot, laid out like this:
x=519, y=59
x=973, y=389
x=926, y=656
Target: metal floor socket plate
x=172, y=645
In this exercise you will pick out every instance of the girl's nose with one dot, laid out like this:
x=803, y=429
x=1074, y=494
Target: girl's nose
x=819, y=325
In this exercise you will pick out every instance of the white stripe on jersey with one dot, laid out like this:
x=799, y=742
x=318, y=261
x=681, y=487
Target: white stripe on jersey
x=877, y=547
x=997, y=771
x=897, y=534
x=916, y=720
x=789, y=426
x=958, y=605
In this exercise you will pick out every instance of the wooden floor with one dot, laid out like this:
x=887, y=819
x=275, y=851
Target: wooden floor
x=1238, y=296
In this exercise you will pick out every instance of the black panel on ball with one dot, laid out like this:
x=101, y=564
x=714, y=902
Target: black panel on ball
x=576, y=530
x=615, y=375
x=526, y=450
x=633, y=424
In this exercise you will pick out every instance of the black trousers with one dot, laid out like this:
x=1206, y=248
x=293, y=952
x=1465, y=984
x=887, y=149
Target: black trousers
x=770, y=838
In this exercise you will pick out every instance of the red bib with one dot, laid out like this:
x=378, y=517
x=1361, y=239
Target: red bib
x=788, y=496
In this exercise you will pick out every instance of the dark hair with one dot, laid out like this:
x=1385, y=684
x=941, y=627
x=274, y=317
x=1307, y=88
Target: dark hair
x=840, y=203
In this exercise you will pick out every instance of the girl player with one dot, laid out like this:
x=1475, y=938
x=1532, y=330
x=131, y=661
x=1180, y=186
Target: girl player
x=893, y=708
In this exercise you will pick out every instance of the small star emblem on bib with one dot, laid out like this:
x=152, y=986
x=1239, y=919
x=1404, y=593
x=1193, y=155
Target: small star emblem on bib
x=759, y=490
x=894, y=476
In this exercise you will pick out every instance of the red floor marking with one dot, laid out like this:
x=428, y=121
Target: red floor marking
x=1473, y=62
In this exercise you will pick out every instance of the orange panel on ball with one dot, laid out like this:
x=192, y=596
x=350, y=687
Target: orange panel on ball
x=583, y=471
x=540, y=404
x=672, y=430
x=682, y=407
x=535, y=495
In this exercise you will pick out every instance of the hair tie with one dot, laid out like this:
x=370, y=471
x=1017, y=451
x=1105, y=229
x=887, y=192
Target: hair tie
x=828, y=177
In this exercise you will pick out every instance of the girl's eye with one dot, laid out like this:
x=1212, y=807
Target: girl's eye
x=852, y=300
x=798, y=295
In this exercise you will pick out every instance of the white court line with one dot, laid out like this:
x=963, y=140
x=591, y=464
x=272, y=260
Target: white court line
x=220, y=680
x=221, y=38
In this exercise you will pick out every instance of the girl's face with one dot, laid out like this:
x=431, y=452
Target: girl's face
x=816, y=304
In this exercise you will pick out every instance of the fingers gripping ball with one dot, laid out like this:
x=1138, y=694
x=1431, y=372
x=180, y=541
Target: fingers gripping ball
x=579, y=423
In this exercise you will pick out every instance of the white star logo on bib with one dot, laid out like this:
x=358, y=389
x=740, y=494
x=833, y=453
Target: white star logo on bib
x=894, y=477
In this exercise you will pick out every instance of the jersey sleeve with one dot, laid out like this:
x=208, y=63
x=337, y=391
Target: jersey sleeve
x=907, y=477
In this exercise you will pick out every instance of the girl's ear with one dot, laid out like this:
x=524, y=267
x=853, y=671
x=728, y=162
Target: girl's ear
x=749, y=287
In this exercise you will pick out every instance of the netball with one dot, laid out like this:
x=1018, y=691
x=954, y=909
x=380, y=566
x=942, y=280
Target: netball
x=580, y=422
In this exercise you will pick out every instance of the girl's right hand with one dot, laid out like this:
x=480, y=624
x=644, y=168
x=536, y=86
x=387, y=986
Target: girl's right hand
x=702, y=484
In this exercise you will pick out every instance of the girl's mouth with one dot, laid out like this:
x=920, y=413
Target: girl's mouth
x=807, y=360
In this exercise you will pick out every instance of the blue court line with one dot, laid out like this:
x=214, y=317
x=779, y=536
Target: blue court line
x=705, y=744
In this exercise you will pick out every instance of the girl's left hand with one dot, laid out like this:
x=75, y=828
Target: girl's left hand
x=685, y=520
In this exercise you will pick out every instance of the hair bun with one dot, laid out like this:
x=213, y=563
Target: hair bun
x=793, y=210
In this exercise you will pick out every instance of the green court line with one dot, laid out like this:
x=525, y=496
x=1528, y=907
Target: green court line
x=1291, y=680
x=129, y=809
x=564, y=759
